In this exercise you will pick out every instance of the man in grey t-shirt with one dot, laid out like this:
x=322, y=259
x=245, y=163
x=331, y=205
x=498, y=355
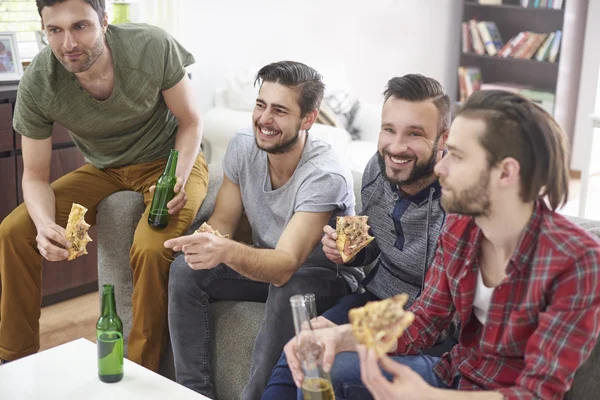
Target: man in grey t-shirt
x=289, y=184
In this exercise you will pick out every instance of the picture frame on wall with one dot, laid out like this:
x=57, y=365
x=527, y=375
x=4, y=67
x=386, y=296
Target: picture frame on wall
x=11, y=69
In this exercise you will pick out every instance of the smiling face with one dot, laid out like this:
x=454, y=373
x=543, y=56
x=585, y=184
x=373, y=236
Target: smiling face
x=409, y=142
x=75, y=34
x=465, y=174
x=276, y=118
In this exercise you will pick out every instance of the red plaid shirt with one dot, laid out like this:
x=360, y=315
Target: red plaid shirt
x=543, y=319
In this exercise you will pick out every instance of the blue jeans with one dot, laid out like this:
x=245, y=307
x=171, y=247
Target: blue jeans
x=190, y=322
x=281, y=383
x=347, y=384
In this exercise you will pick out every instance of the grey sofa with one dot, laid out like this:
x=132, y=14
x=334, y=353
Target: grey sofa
x=236, y=323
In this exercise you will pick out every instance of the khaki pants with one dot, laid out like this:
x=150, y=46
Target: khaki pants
x=21, y=263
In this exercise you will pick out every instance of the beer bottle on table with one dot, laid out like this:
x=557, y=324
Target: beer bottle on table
x=317, y=383
x=163, y=193
x=109, y=339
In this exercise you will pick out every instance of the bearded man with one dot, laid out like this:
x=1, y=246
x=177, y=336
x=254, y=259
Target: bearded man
x=401, y=196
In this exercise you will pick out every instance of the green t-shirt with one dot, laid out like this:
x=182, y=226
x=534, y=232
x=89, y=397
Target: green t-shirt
x=134, y=125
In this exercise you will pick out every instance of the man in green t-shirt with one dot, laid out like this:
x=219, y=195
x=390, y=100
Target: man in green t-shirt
x=123, y=93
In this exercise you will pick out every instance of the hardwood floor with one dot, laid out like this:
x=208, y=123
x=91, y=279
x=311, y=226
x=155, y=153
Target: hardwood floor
x=69, y=320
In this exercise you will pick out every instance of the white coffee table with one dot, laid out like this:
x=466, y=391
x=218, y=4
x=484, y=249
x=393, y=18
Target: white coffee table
x=70, y=372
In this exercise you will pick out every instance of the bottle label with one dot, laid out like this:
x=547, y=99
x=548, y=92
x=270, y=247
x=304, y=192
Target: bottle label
x=110, y=353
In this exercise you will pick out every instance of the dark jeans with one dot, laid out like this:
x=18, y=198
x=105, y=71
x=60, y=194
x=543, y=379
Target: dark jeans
x=281, y=383
x=190, y=293
x=347, y=383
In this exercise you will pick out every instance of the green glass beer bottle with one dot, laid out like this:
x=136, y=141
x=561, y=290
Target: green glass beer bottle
x=163, y=193
x=109, y=339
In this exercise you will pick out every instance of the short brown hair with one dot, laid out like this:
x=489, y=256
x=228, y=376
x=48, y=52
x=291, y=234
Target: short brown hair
x=416, y=87
x=98, y=6
x=518, y=128
x=306, y=81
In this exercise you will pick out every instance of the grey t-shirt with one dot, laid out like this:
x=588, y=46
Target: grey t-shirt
x=319, y=184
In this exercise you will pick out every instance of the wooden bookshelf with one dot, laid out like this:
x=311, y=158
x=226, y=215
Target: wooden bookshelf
x=560, y=77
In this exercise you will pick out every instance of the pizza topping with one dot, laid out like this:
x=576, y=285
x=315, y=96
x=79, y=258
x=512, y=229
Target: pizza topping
x=77, y=232
x=378, y=324
x=353, y=235
x=209, y=229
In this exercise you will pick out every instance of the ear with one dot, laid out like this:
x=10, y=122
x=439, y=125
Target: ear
x=105, y=22
x=509, y=169
x=309, y=119
x=443, y=140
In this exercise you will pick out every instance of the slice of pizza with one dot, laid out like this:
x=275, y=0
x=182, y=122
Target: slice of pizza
x=352, y=235
x=379, y=324
x=207, y=228
x=77, y=231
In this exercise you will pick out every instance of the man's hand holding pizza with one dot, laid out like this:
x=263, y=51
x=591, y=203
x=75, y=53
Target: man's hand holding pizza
x=329, y=245
x=202, y=249
x=52, y=243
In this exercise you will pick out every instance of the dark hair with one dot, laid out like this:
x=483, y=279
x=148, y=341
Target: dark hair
x=518, y=128
x=97, y=5
x=297, y=76
x=416, y=87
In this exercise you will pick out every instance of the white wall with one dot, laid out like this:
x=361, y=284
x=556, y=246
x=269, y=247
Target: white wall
x=375, y=39
x=589, y=91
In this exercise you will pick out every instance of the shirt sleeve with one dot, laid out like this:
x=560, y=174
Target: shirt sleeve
x=566, y=334
x=322, y=193
x=231, y=161
x=176, y=58
x=433, y=310
x=28, y=119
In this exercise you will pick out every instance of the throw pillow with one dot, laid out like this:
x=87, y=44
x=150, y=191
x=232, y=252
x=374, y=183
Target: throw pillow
x=345, y=107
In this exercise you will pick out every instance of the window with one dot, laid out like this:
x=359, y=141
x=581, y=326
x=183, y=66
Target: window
x=21, y=16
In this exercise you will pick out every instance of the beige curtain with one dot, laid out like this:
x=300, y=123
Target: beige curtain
x=162, y=13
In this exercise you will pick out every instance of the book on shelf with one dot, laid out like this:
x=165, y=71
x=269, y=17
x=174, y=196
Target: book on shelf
x=543, y=98
x=469, y=81
x=553, y=4
x=483, y=37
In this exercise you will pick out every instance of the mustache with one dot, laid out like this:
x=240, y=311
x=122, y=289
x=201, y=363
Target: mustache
x=406, y=156
x=70, y=53
x=269, y=128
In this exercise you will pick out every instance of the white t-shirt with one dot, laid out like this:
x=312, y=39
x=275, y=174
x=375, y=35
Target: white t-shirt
x=483, y=295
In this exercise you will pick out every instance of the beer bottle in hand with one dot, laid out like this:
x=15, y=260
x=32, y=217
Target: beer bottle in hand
x=317, y=383
x=163, y=193
x=109, y=339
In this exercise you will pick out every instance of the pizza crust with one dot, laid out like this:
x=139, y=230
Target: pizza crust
x=342, y=238
x=207, y=228
x=77, y=232
x=379, y=324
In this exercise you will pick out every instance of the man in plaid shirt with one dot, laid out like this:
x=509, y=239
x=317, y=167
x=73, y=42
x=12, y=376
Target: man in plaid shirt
x=524, y=280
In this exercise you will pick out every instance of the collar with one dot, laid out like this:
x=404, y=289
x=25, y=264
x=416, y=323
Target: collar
x=420, y=196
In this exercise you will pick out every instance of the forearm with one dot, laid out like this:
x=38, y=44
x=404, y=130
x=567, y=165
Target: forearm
x=264, y=265
x=40, y=202
x=187, y=143
x=447, y=394
x=348, y=341
x=224, y=226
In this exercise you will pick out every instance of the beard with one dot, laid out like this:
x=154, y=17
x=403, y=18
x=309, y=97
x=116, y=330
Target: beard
x=473, y=201
x=87, y=59
x=422, y=171
x=279, y=148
